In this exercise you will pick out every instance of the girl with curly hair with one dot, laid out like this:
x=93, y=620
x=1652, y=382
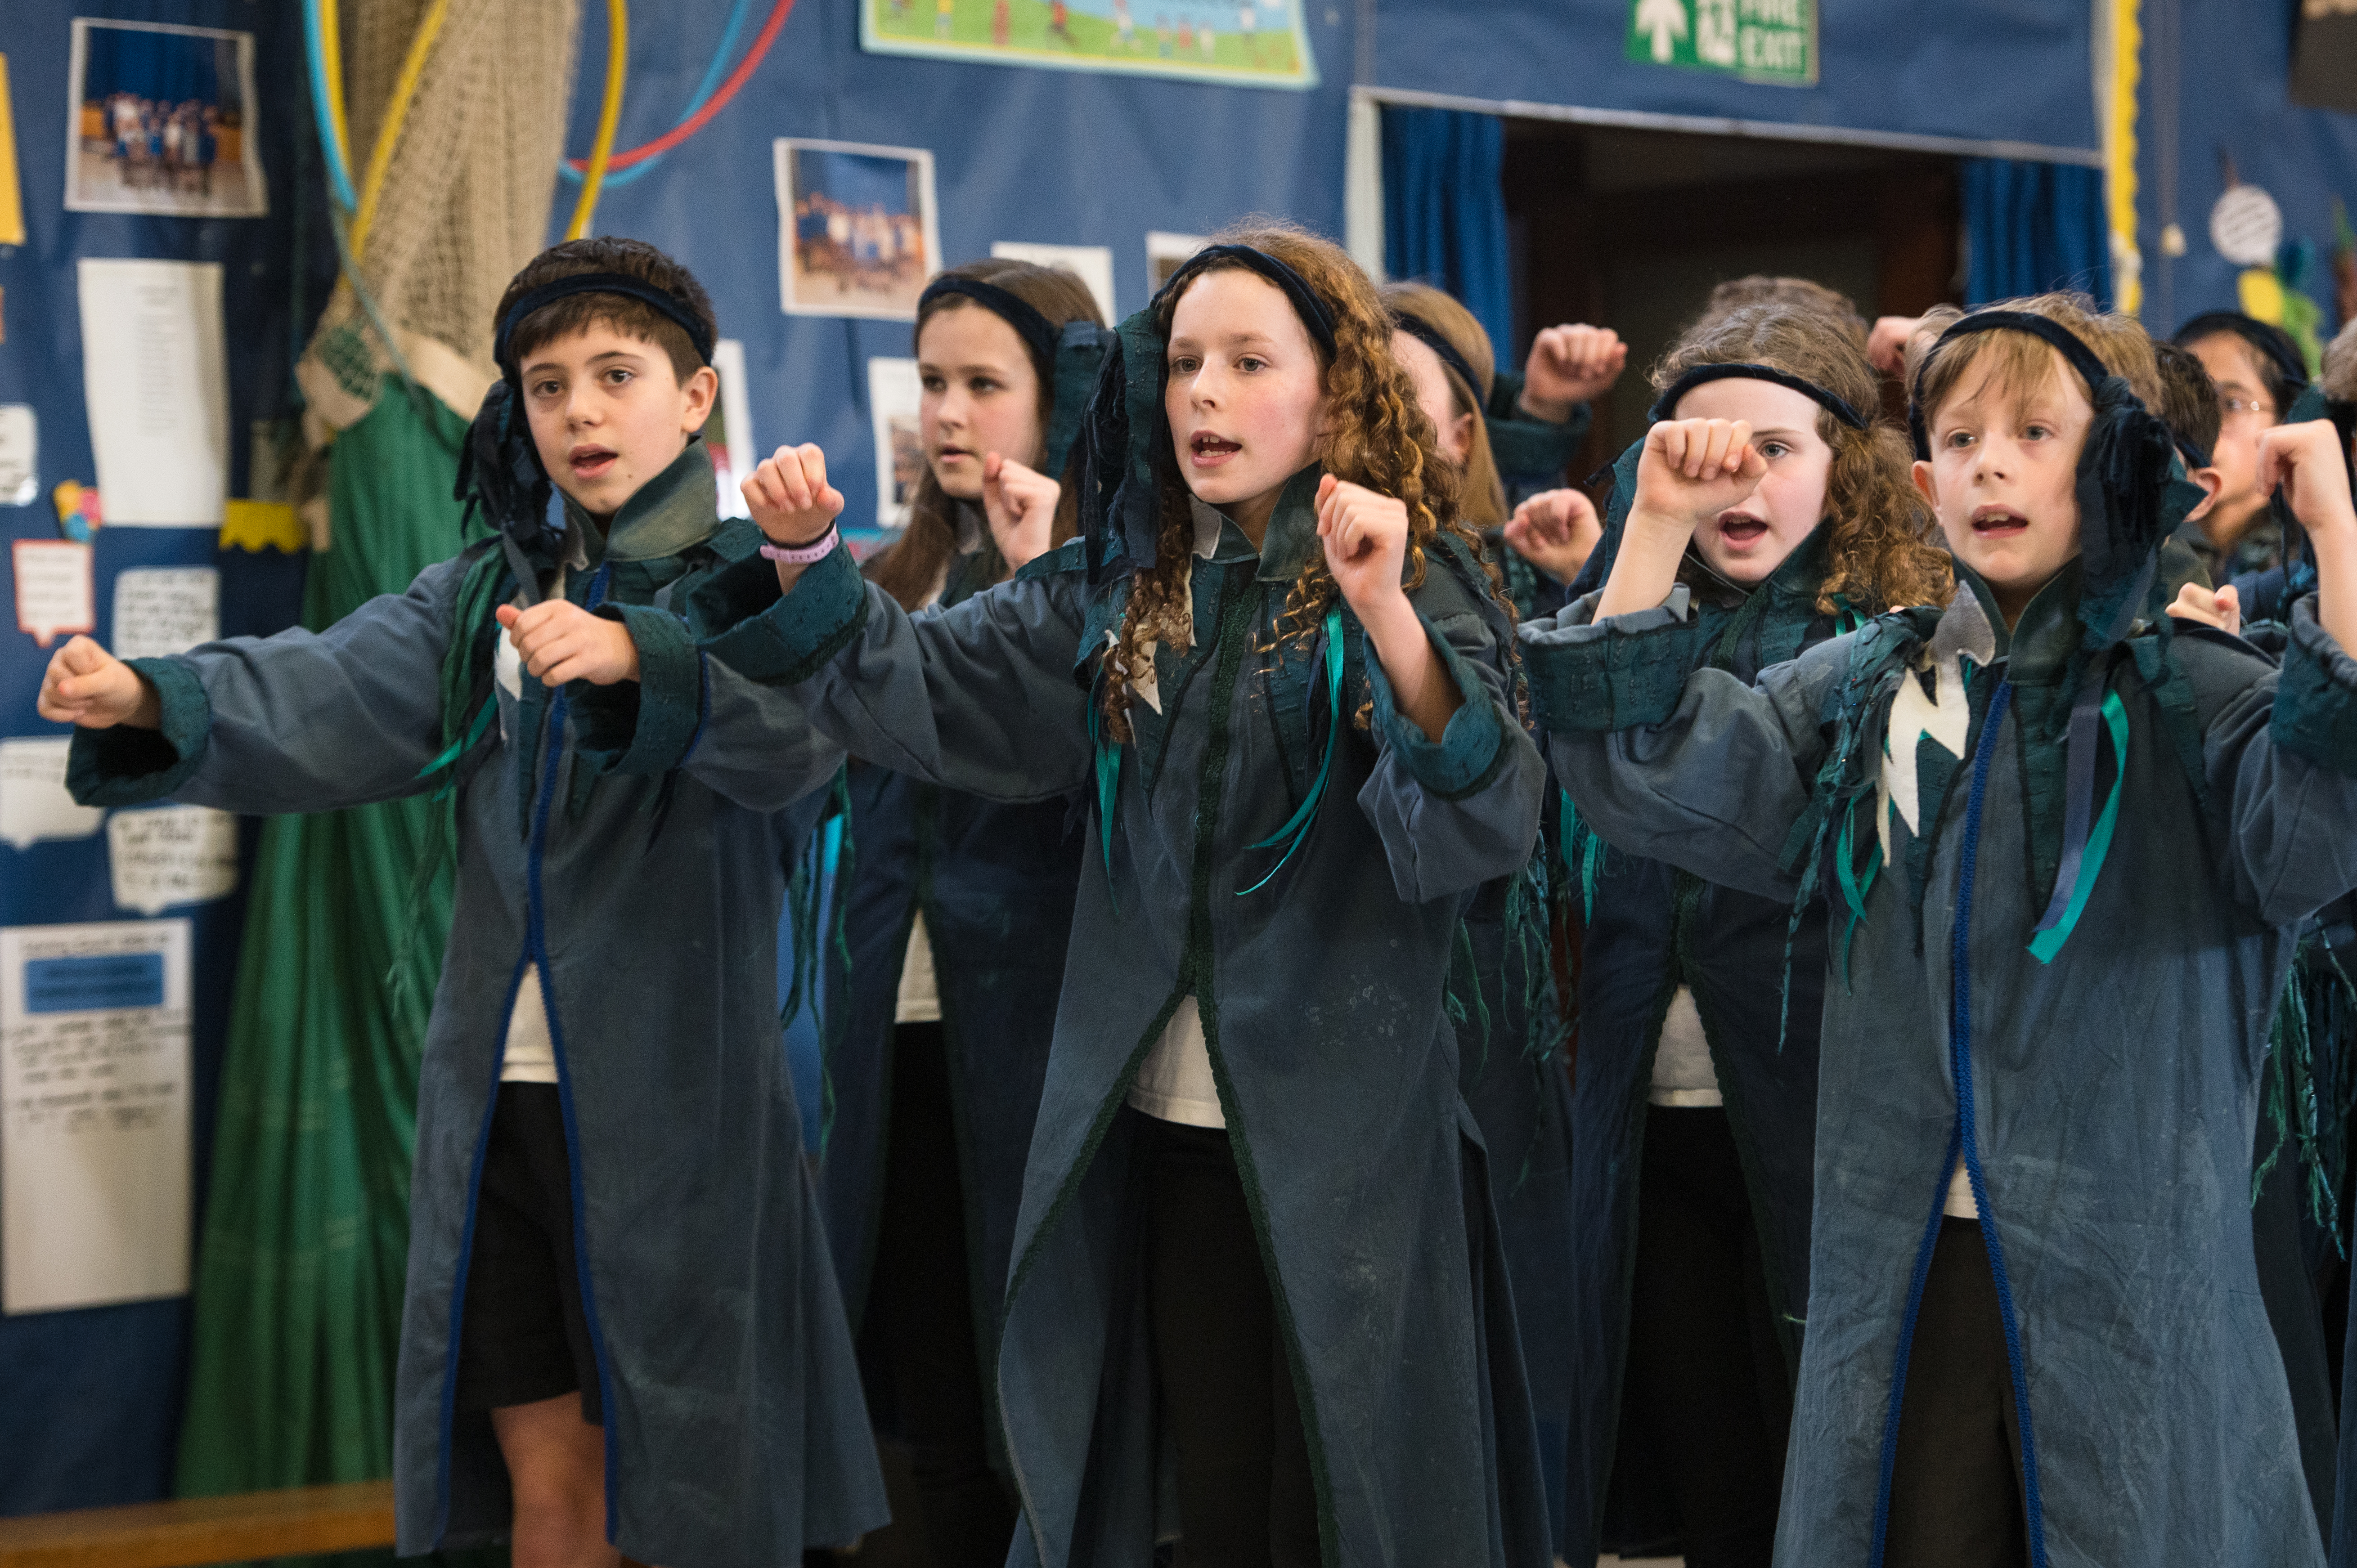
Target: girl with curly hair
x=1255, y=1243
x=1695, y=1092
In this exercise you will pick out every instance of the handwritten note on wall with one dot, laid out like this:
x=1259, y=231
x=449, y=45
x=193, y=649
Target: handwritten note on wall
x=94, y=1114
x=172, y=855
x=53, y=591
x=163, y=610
x=34, y=804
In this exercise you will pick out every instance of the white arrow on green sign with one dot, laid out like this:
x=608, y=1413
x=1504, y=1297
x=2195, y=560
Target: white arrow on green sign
x=1759, y=41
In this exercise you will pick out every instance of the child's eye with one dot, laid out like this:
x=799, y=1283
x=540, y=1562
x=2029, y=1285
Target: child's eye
x=1250, y=364
x=1959, y=439
x=1185, y=365
x=2036, y=433
x=1774, y=449
x=982, y=385
x=617, y=376
x=933, y=383
x=545, y=389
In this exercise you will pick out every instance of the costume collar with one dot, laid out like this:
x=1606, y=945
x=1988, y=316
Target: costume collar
x=2039, y=645
x=676, y=508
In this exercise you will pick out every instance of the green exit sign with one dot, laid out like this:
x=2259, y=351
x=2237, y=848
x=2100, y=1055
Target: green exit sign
x=1759, y=41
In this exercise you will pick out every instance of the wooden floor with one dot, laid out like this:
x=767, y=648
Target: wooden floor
x=183, y=1534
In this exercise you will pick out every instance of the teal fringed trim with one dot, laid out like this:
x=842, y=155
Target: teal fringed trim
x=1108, y=762
x=821, y=880
x=1854, y=889
x=1305, y=816
x=2309, y=1087
x=1583, y=853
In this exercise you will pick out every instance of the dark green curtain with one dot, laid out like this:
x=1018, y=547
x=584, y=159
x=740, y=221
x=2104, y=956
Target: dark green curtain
x=306, y=1237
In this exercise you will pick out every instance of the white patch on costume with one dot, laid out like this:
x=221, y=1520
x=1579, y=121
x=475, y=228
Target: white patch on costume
x=1945, y=715
x=1146, y=686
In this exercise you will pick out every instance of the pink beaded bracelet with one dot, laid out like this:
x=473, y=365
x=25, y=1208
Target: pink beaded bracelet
x=803, y=554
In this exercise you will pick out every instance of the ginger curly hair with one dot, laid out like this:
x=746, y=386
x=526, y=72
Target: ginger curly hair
x=1377, y=436
x=1880, y=541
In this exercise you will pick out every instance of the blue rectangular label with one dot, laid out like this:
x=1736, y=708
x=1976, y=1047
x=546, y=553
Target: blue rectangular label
x=86, y=985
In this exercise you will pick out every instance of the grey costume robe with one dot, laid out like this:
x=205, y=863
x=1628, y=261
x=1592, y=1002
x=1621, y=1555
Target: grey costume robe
x=2115, y=1088
x=736, y=1434
x=1321, y=999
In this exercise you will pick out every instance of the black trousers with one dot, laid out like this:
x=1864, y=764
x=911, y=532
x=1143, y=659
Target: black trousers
x=919, y=1325
x=1706, y=1385
x=1955, y=1493
x=1246, y=1496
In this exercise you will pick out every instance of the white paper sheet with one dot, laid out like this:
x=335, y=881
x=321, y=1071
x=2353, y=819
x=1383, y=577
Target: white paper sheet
x=94, y=1114
x=163, y=610
x=893, y=396
x=171, y=855
x=1166, y=252
x=742, y=455
x=34, y=804
x=1092, y=263
x=53, y=592
x=157, y=385
x=20, y=454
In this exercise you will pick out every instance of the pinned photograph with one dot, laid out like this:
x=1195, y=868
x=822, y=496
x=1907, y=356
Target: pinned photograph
x=160, y=119
x=1093, y=265
x=1167, y=252
x=856, y=228
x=893, y=398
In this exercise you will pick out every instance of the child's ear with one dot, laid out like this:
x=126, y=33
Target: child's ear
x=2211, y=482
x=697, y=398
x=1925, y=486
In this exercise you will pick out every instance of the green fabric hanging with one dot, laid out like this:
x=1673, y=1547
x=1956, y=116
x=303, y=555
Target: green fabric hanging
x=306, y=1237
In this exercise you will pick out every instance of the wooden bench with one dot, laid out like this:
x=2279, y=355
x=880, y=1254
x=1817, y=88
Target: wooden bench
x=245, y=1527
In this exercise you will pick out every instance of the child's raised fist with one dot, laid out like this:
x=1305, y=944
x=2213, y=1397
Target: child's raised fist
x=86, y=685
x=789, y=496
x=2306, y=460
x=1555, y=531
x=559, y=641
x=1693, y=469
x=2218, y=608
x=1568, y=366
x=1020, y=505
x=1365, y=536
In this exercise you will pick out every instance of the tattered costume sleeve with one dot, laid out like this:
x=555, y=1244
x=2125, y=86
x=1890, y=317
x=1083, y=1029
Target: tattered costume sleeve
x=1699, y=770
x=980, y=698
x=1458, y=811
x=299, y=722
x=2281, y=757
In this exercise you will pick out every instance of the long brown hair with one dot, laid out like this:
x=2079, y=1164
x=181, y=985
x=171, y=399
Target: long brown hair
x=1377, y=435
x=1484, y=497
x=910, y=567
x=1879, y=552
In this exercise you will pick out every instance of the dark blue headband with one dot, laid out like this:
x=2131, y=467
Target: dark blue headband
x=699, y=334
x=1665, y=406
x=1039, y=334
x=2065, y=341
x=1313, y=311
x=1426, y=333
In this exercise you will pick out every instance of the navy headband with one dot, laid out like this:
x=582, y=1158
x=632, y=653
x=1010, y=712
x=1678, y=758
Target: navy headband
x=699, y=334
x=1426, y=333
x=2271, y=341
x=1312, y=310
x=1665, y=406
x=1039, y=334
x=2065, y=341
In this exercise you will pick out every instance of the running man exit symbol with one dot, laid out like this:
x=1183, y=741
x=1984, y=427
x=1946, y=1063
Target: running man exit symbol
x=1772, y=42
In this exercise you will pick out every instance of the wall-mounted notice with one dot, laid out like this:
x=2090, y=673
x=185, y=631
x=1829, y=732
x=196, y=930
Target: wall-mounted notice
x=729, y=432
x=34, y=804
x=94, y=1114
x=1166, y=253
x=1242, y=43
x=53, y=593
x=1093, y=265
x=893, y=403
x=163, y=610
x=20, y=454
x=157, y=385
x=171, y=855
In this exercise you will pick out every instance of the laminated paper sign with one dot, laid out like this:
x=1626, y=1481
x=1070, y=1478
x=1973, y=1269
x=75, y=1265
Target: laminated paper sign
x=34, y=804
x=94, y=1114
x=163, y=610
x=156, y=381
x=53, y=592
x=171, y=855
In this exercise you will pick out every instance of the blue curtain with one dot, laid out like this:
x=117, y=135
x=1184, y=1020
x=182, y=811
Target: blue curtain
x=1445, y=212
x=2030, y=228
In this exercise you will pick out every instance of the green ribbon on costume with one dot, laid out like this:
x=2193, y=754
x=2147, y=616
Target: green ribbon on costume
x=2048, y=942
x=1854, y=888
x=1108, y=760
x=1297, y=827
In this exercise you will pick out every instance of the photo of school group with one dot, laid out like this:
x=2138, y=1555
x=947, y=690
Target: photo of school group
x=162, y=122
x=860, y=238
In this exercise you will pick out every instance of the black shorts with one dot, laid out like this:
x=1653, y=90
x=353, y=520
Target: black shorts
x=523, y=1336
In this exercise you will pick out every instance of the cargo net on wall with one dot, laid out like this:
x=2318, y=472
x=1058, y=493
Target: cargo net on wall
x=469, y=97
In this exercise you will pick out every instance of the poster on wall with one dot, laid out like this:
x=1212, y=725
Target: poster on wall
x=1771, y=41
x=1238, y=43
x=160, y=118
x=894, y=410
x=156, y=382
x=856, y=233
x=94, y=1114
x=1093, y=265
x=1166, y=253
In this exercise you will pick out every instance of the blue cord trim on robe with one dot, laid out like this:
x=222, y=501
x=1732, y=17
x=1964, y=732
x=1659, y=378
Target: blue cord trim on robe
x=1305, y=815
x=2083, y=847
x=1964, y=1142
